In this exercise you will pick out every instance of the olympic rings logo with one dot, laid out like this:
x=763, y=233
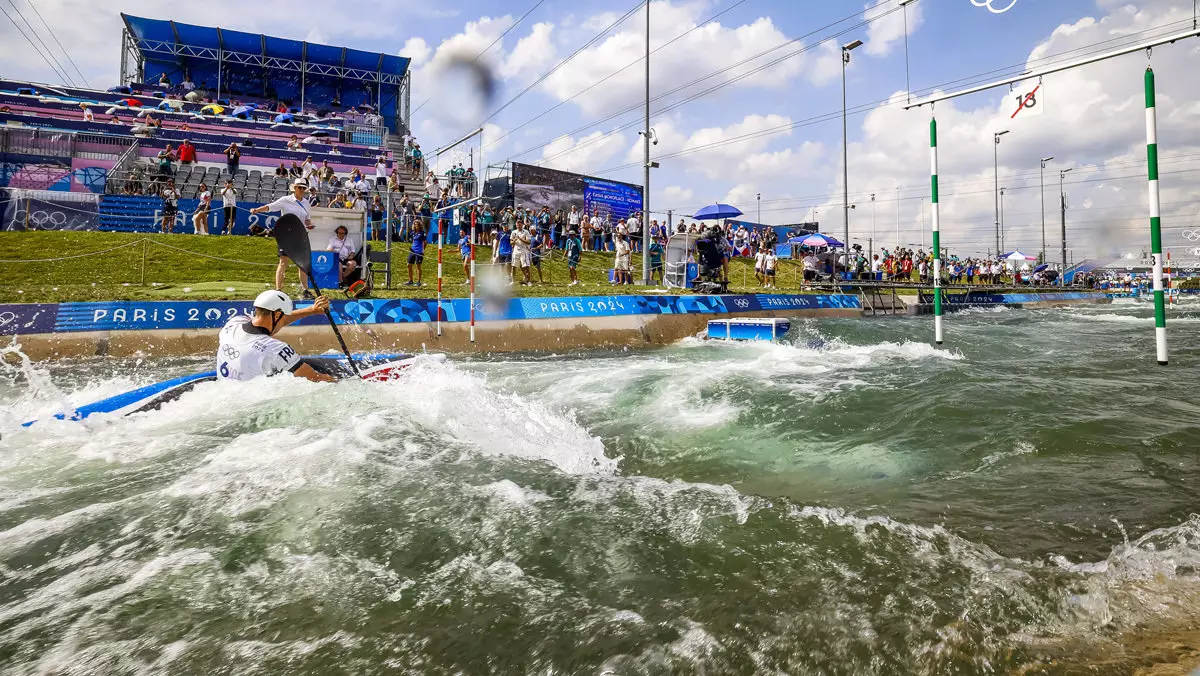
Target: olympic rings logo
x=1191, y=235
x=1196, y=251
x=990, y=8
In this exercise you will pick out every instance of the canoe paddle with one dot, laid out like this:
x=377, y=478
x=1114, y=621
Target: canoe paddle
x=292, y=237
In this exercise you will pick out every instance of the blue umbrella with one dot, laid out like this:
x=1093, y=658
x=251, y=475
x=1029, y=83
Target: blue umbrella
x=284, y=117
x=815, y=239
x=122, y=89
x=717, y=212
x=1041, y=267
x=243, y=112
x=319, y=133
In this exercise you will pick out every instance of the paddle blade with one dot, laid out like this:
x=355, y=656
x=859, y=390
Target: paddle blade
x=292, y=238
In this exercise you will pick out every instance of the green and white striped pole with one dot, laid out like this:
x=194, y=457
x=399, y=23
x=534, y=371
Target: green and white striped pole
x=937, y=240
x=1160, y=310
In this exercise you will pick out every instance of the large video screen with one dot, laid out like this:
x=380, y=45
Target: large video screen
x=536, y=187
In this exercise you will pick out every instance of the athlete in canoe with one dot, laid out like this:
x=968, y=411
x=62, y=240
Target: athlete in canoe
x=248, y=348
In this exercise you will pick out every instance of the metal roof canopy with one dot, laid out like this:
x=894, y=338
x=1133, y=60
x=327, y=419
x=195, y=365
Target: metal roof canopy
x=158, y=39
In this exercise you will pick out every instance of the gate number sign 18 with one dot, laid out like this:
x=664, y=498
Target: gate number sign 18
x=1028, y=101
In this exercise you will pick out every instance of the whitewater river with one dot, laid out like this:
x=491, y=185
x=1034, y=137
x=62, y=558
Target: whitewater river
x=851, y=502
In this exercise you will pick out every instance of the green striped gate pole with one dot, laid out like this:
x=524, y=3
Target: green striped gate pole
x=1160, y=310
x=937, y=240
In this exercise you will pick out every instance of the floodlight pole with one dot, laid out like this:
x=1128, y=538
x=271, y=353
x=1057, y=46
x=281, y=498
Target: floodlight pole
x=846, y=49
x=1042, y=190
x=1062, y=197
x=996, y=173
x=646, y=168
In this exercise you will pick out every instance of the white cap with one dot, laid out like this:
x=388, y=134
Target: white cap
x=274, y=300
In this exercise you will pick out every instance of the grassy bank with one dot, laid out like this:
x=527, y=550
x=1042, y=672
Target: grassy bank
x=124, y=266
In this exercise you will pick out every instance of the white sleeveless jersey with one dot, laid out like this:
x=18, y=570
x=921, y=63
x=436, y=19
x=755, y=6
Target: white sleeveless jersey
x=246, y=352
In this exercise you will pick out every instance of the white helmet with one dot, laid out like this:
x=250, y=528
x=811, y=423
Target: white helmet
x=274, y=300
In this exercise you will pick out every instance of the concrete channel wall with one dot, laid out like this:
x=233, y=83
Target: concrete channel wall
x=166, y=328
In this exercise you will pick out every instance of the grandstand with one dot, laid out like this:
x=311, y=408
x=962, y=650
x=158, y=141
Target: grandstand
x=211, y=87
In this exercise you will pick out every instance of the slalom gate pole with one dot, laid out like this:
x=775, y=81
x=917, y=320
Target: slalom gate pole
x=472, y=275
x=1160, y=311
x=938, y=335
x=441, y=239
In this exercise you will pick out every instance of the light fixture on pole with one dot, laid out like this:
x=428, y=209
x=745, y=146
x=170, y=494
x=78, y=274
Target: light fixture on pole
x=996, y=171
x=1042, y=190
x=846, y=49
x=758, y=197
x=1062, y=196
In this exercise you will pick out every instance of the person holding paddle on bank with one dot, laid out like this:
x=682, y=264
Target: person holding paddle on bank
x=297, y=205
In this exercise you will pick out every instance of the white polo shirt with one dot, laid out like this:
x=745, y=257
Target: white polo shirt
x=288, y=204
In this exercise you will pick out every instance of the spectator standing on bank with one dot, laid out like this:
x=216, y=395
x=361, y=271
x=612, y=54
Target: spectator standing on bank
x=229, y=205
x=574, y=249
x=521, y=254
x=200, y=218
x=375, y=218
x=233, y=156
x=634, y=227
x=297, y=205
x=537, y=246
x=656, y=260
x=170, y=198
x=416, y=256
x=464, y=250
x=622, y=263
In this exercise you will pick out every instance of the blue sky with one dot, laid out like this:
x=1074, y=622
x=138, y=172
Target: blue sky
x=1092, y=122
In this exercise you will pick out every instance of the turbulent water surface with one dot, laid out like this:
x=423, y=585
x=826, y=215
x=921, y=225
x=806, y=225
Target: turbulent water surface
x=853, y=501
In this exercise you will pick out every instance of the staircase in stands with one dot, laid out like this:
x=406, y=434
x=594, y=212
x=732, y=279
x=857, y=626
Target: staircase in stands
x=129, y=213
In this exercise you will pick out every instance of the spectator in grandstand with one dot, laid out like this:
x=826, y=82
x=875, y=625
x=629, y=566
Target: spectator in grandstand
x=163, y=80
x=358, y=201
x=229, y=205
x=297, y=205
x=166, y=161
x=153, y=122
x=431, y=184
x=307, y=169
x=170, y=198
x=200, y=218
x=295, y=171
x=282, y=171
x=469, y=182
x=6, y=109
x=333, y=149
x=338, y=201
x=185, y=127
x=342, y=244
x=187, y=152
x=233, y=156
x=375, y=216
x=381, y=172
x=417, y=160
x=405, y=209
x=393, y=182
x=187, y=85
x=113, y=120
x=362, y=185
x=325, y=174
x=294, y=143
x=416, y=255
x=88, y=116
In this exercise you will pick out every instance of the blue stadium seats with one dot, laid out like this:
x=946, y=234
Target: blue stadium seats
x=128, y=213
